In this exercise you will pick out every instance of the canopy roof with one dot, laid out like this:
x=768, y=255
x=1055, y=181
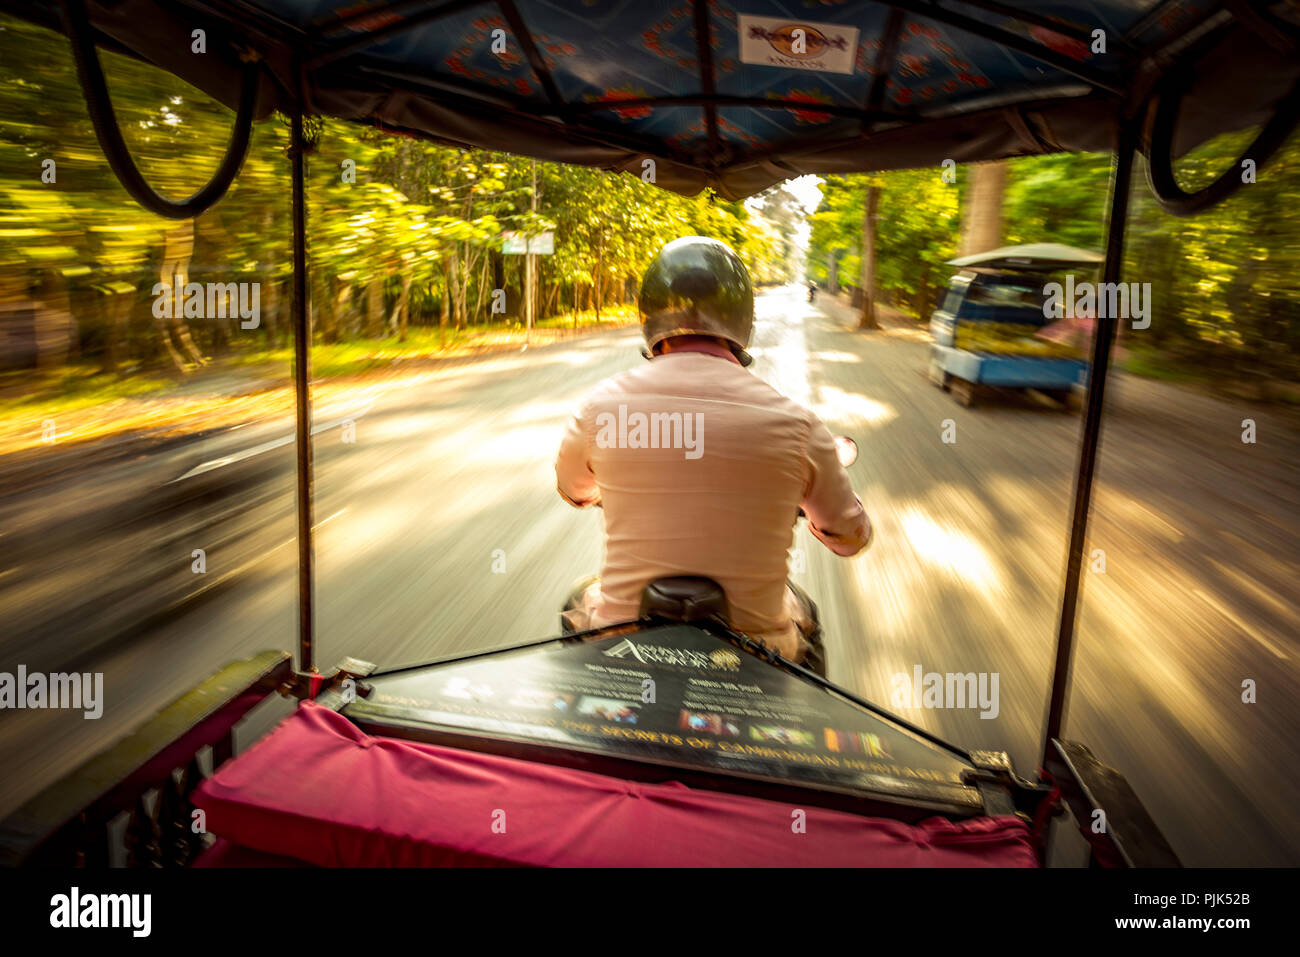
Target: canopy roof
x=1035, y=256
x=737, y=94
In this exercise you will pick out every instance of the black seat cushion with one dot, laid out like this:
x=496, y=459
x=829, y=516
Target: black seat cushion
x=684, y=598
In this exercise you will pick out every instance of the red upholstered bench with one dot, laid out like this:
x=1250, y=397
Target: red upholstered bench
x=318, y=790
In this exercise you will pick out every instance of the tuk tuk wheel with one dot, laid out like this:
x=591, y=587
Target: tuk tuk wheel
x=938, y=376
x=1064, y=399
x=964, y=392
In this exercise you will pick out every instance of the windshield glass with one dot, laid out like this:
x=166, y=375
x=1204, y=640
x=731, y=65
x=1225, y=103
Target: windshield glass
x=1006, y=293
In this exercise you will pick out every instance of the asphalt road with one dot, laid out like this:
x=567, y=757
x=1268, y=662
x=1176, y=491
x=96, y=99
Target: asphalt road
x=450, y=478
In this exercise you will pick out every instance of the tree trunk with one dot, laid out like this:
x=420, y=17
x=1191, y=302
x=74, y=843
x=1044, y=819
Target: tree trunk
x=482, y=288
x=460, y=272
x=403, y=312
x=445, y=312
x=870, y=208
x=178, y=248
x=982, y=221
x=117, y=311
x=271, y=311
x=339, y=298
x=374, y=320
x=453, y=289
x=53, y=325
x=498, y=271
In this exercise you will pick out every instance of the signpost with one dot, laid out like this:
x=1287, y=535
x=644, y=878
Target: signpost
x=514, y=243
x=517, y=244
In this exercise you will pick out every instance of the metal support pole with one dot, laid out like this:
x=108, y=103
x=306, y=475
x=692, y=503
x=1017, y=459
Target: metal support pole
x=302, y=386
x=1103, y=338
x=530, y=270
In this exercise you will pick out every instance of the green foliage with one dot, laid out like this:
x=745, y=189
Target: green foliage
x=1225, y=287
x=401, y=232
x=916, y=231
x=407, y=234
x=1059, y=198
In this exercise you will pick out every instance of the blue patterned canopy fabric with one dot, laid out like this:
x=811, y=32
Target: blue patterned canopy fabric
x=737, y=94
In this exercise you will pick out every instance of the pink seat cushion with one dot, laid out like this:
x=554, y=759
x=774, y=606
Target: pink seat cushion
x=320, y=790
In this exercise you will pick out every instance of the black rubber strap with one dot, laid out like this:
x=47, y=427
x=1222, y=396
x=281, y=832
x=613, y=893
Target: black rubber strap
x=100, y=107
x=1160, y=168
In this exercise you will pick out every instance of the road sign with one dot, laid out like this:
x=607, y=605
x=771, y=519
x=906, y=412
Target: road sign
x=516, y=244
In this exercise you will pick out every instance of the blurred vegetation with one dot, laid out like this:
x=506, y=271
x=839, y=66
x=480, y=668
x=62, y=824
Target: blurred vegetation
x=405, y=237
x=406, y=254
x=1225, y=284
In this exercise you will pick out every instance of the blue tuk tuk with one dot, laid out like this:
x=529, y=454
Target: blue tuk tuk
x=988, y=328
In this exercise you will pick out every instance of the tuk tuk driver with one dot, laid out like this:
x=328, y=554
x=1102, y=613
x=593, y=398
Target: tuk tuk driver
x=700, y=466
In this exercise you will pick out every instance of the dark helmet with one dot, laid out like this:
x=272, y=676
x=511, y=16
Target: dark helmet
x=698, y=287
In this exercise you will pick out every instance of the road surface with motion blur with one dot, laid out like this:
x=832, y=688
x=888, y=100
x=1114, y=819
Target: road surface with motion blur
x=1199, y=533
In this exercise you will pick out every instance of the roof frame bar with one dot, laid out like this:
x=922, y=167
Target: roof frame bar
x=884, y=64
x=1154, y=15
x=535, y=58
x=241, y=11
x=398, y=8
x=1030, y=17
x=755, y=102
x=704, y=54
x=932, y=11
x=355, y=44
x=1278, y=34
x=420, y=84
x=1158, y=47
x=463, y=95
x=780, y=153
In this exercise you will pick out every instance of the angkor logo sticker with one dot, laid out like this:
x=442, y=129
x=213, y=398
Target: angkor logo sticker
x=794, y=45
x=725, y=659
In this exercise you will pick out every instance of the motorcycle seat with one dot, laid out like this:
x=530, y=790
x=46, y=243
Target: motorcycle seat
x=683, y=599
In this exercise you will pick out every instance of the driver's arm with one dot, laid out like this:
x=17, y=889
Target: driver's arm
x=574, y=479
x=835, y=514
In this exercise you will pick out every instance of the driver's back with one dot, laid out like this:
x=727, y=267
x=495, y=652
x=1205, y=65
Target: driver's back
x=701, y=467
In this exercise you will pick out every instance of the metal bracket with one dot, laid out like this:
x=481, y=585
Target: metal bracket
x=311, y=685
x=1128, y=836
x=1002, y=790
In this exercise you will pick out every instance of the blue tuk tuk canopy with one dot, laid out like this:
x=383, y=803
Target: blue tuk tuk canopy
x=735, y=95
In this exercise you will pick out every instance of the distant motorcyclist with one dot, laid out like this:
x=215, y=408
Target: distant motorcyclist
x=722, y=501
